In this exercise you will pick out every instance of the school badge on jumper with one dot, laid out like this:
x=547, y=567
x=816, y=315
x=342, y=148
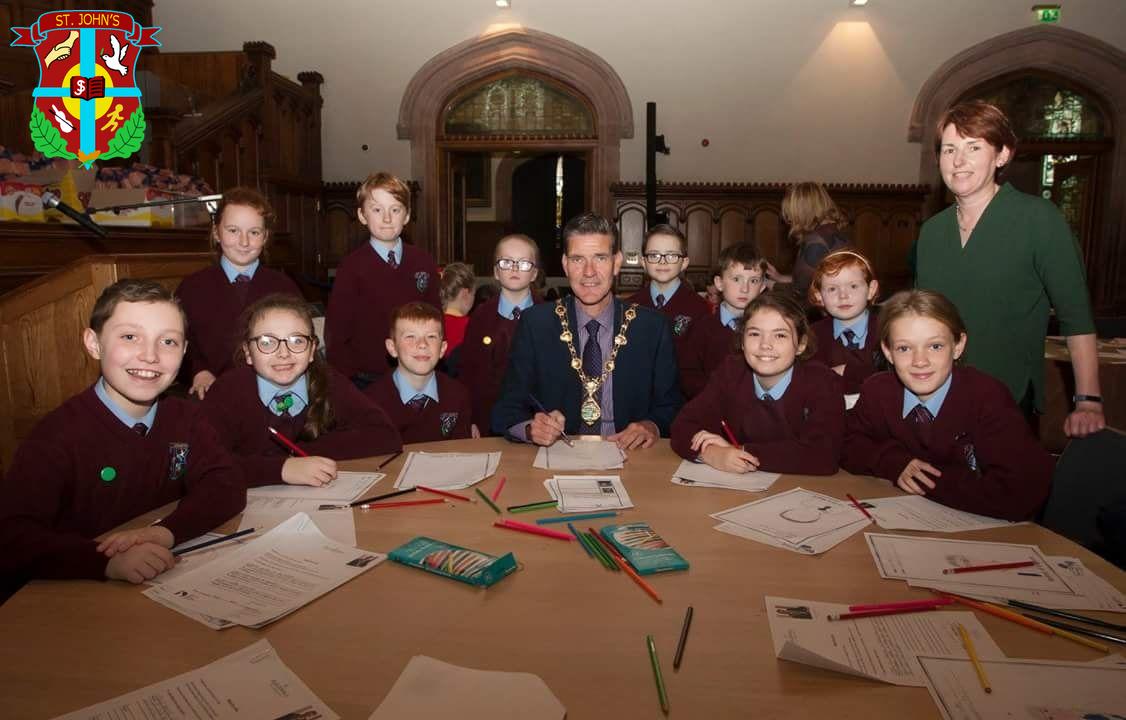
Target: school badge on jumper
x=447, y=420
x=177, y=460
x=87, y=105
x=422, y=280
x=680, y=324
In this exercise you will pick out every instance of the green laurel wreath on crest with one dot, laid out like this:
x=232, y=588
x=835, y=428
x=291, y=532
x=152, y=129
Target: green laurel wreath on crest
x=128, y=138
x=47, y=138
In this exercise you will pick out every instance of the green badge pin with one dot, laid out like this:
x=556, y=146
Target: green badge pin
x=108, y=474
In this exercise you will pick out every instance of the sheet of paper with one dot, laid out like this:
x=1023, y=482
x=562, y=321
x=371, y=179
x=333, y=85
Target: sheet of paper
x=339, y=524
x=594, y=454
x=1032, y=689
x=267, y=578
x=583, y=493
x=191, y=561
x=797, y=517
x=813, y=546
x=915, y=512
x=921, y=560
x=880, y=648
x=703, y=475
x=251, y=683
x=446, y=471
x=430, y=689
x=347, y=486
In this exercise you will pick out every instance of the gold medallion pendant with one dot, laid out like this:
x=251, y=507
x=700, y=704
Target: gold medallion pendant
x=590, y=411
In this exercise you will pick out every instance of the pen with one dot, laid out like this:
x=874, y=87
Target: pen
x=288, y=443
x=213, y=541
x=489, y=502
x=389, y=460
x=683, y=638
x=664, y=698
x=443, y=493
x=968, y=642
x=727, y=431
x=529, y=507
x=562, y=433
x=585, y=516
x=859, y=507
x=993, y=566
x=1067, y=616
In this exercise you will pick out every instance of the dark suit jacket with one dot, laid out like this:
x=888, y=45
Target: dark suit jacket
x=645, y=373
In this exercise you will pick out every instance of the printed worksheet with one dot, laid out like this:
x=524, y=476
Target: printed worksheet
x=446, y=471
x=596, y=454
x=693, y=474
x=584, y=493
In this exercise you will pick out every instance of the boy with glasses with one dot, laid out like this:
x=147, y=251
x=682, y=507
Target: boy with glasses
x=665, y=254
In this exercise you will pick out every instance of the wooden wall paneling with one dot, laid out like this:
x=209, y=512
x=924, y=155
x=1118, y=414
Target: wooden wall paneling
x=771, y=237
x=732, y=225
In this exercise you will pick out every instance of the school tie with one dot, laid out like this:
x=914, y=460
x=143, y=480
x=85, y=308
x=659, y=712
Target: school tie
x=282, y=403
x=850, y=341
x=418, y=402
x=592, y=356
x=242, y=278
x=920, y=415
x=732, y=323
x=515, y=313
x=141, y=429
x=660, y=301
x=391, y=260
x=767, y=398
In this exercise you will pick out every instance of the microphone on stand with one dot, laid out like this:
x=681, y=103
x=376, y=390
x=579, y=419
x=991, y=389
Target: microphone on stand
x=52, y=201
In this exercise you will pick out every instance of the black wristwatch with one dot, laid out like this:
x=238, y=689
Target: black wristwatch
x=1076, y=399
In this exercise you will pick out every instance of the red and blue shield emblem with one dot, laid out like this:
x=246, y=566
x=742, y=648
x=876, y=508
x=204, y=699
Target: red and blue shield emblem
x=87, y=104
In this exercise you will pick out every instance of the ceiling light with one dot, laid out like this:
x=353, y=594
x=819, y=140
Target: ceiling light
x=857, y=3
x=504, y=3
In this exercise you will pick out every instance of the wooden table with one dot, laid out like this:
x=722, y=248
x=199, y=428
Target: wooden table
x=563, y=617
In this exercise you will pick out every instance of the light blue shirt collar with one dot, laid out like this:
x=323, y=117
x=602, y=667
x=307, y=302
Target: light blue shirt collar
x=654, y=292
x=859, y=326
x=128, y=420
x=726, y=315
x=407, y=391
x=504, y=307
x=267, y=391
x=233, y=272
x=934, y=403
x=381, y=250
x=779, y=388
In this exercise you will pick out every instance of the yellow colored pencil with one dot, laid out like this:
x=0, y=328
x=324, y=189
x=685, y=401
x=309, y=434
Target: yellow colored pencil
x=968, y=642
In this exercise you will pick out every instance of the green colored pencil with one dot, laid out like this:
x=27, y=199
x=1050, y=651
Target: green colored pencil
x=664, y=698
x=532, y=506
x=602, y=554
x=488, y=502
x=595, y=550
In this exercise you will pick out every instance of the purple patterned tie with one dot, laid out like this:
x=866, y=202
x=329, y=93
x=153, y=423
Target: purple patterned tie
x=242, y=278
x=418, y=402
x=921, y=415
x=515, y=313
x=394, y=263
x=592, y=356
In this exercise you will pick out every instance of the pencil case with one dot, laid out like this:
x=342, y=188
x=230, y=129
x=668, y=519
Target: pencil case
x=455, y=562
x=644, y=549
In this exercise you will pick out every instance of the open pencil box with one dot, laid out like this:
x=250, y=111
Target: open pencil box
x=458, y=563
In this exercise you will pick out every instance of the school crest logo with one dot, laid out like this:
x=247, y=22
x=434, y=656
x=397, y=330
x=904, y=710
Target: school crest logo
x=422, y=280
x=87, y=105
x=177, y=460
x=680, y=324
x=447, y=420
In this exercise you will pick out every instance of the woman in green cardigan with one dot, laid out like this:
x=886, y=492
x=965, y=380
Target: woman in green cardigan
x=1006, y=258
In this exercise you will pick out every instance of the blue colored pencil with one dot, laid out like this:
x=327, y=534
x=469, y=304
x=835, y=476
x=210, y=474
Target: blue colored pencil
x=580, y=539
x=568, y=518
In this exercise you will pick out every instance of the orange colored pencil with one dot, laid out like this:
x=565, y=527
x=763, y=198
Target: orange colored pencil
x=999, y=612
x=625, y=566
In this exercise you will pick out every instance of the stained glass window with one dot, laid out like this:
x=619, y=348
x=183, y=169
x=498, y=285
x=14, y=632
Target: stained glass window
x=1041, y=109
x=518, y=105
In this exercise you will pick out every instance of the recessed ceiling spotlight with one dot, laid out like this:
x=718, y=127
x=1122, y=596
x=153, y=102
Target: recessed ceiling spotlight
x=852, y=3
x=504, y=3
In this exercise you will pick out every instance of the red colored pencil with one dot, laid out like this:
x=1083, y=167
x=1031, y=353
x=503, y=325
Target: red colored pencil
x=878, y=613
x=994, y=566
x=443, y=493
x=405, y=503
x=932, y=602
x=625, y=566
x=859, y=507
x=287, y=442
x=727, y=431
x=499, y=487
x=532, y=529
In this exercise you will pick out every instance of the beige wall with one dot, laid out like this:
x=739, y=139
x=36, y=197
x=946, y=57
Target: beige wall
x=783, y=89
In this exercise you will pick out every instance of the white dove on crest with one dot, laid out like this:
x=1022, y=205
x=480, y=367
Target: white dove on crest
x=113, y=60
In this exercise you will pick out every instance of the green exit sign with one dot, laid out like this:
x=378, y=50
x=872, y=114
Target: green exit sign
x=1047, y=13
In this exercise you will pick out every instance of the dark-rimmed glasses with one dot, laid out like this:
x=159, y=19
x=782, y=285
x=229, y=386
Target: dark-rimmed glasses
x=296, y=343
x=669, y=258
x=509, y=263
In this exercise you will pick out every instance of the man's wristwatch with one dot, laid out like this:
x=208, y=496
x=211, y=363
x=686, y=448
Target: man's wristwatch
x=1076, y=399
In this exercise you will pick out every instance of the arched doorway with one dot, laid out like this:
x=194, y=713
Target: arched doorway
x=490, y=66
x=1024, y=72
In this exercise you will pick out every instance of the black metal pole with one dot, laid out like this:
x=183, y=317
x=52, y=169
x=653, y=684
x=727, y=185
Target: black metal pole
x=651, y=163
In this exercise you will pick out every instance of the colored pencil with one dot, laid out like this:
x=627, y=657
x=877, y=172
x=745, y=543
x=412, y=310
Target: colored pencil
x=968, y=642
x=683, y=639
x=288, y=443
x=532, y=529
x=994, y=566
x=1067, y=616
x=376, y=506
x=529, y=507
x=489, y=502
x=878, y=613
x=586, y=516
x=933, y=602
x=727, y=431
x=444, y=493
x=578, y=537
x=562, y=433
x=625, y=566
x=1001, y=613
x=213, y=541
x=859, y=507
x=389, y=460
x=375, y=498
x=661, y=694
x=600, y=552
x=1075, y=633
x=499, y=487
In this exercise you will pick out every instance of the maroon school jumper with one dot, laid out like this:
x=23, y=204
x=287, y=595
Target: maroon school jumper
x=859, y=364
x=447, y=419
x=799, y=433
x=362, y=429
x=683, y=309
x=707, y=346
x=82, y=472
x=484, y=358
x=364, y=293
x=979, y=426
x=213, y=305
